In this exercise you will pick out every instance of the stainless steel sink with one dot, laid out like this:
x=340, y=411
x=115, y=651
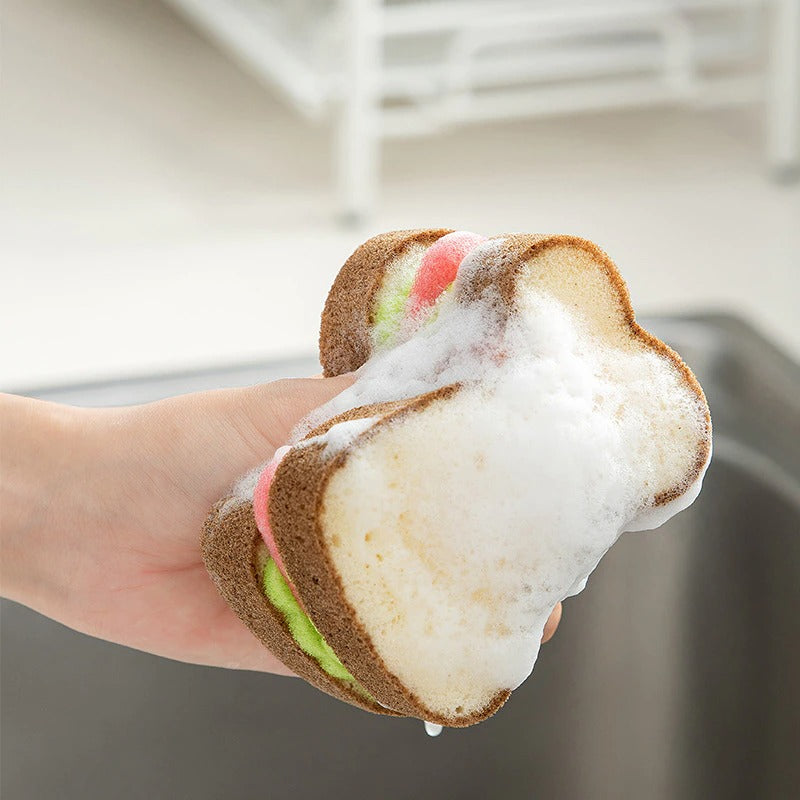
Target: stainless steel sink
x=676, y=674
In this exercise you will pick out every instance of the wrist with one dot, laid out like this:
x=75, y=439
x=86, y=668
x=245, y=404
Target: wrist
x=40, y=450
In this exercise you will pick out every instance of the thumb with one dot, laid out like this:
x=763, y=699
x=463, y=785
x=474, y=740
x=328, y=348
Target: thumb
x=275, y=408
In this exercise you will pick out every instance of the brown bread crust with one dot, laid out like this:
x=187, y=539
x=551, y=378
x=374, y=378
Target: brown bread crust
x=229, y=550
x=344, y=338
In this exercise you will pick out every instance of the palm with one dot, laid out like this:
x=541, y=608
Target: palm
x=147, y=586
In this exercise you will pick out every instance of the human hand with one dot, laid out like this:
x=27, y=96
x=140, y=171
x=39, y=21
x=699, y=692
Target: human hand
x=103, y=508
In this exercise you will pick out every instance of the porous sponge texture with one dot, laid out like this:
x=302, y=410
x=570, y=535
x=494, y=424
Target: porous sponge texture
x=295, y=500
x=456, y=530
x=432, y=515
x=451, y=529
x=235, y=556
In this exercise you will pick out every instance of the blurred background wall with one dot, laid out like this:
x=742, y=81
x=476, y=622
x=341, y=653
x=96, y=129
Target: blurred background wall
x=180, y=185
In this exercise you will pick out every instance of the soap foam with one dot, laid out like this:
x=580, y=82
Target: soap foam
x=457, y=530
x=340, y=436
x=243, y=490
x=453, y=348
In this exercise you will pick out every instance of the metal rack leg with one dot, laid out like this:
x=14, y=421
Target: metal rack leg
x=357, y=151
x=783, y=90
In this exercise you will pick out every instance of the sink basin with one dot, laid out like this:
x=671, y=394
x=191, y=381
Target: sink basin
x=674, y=675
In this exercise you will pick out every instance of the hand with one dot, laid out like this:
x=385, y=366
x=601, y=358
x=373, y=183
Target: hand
x=102, y=511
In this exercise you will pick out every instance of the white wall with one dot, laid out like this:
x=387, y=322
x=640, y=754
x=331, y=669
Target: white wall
x=162, y=210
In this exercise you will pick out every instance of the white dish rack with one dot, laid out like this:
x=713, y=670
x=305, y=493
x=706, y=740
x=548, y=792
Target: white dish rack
x=386, y=68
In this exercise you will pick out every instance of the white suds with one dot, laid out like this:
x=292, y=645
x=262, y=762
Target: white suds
x=341, y=435
x=454, y=348
x=432, y=729
x=242, y=491
x=456, y=531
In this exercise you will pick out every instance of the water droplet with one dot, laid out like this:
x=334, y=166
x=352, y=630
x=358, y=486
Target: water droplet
x=432, y=729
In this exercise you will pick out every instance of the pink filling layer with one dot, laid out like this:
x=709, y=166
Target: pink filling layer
x=261, y=510
x=439, y=266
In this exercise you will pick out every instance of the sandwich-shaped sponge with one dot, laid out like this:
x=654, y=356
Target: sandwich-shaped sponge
x=509, y=421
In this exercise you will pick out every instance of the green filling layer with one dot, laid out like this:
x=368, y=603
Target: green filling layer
x=390, y=306
x=390, y=309
x=303, y=630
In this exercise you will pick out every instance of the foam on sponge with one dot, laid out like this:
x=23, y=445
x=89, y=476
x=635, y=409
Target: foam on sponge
x=455, y=530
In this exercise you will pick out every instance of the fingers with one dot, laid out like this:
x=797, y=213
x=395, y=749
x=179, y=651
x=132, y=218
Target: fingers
x=277, y=407
x=305, y=394
x=552, y=624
